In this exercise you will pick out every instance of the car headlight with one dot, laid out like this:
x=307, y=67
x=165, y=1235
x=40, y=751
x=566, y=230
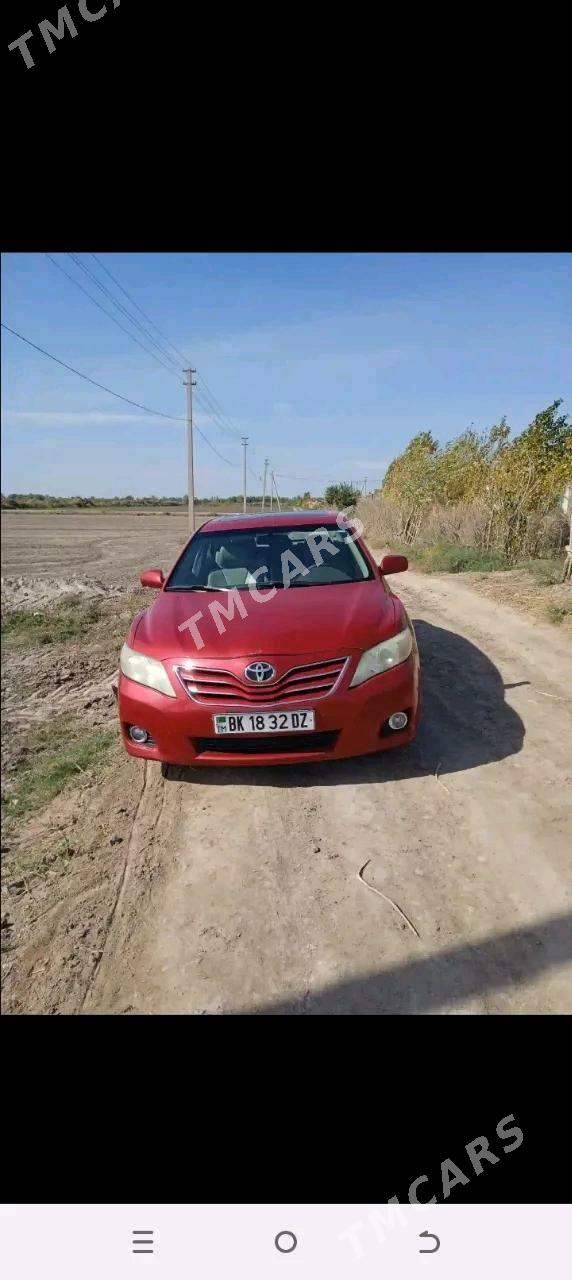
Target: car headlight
x=383, y=656
x=137, y=666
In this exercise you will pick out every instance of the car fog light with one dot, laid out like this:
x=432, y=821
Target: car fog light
x=398, y=720
x=137, y=734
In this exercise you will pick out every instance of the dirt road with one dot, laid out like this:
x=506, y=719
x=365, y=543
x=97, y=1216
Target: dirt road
x=238, y=890
x=258, y=906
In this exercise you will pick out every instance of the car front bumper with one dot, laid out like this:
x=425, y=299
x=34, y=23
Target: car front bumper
x=348, y=722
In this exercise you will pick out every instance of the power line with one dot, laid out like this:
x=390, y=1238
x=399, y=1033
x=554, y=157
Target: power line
x=214, y=449
x=272, y=474
x=210, y=405
x=156, y=412
x=143, y=313
x=108, y=313
x=132, y=319
x=217, y=413
x=206, y=409
x=224, y=416
x=189, y=384
x=117, y=322
x=215, y=418
x=209, y=414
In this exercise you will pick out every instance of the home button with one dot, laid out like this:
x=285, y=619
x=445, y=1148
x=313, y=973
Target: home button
x=285, y=1241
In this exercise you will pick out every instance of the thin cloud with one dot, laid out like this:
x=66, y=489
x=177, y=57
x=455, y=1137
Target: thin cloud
x=42, y=418
x=67, y=418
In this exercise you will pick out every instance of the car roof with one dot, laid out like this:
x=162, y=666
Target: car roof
x=270, y=519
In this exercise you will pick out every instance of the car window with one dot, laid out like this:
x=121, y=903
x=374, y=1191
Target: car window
x=313, y=555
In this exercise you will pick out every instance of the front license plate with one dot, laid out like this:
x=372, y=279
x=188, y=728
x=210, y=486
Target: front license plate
x=267, y=722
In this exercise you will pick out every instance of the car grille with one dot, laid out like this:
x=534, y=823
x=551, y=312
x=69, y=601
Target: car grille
x=275, y=744
x=314, y=680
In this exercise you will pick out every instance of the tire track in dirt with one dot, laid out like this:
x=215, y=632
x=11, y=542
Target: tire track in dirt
x=120, y=887
x=228, y=894
x=63, y=929
x=146, y=862
x=40, y=705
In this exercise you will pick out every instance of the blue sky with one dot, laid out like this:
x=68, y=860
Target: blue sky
x=328, y=362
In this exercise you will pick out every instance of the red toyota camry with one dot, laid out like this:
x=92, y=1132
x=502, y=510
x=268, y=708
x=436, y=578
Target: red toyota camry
x=274, y=639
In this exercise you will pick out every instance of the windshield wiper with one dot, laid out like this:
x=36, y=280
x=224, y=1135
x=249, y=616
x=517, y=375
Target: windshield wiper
x=260, y=586
x=246, y=586
x=196, y=588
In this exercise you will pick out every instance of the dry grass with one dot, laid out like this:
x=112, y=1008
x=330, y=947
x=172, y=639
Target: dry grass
x=470, y=526
x=532, y=586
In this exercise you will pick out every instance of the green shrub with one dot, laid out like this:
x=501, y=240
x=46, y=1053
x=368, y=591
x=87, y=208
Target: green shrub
x=448, y=558
x=22, y=627
x=340, y=495
x=480, y=490
x=558, y=613
x=547, y=571
x=53, y=758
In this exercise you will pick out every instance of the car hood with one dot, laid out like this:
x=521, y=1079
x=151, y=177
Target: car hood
x=337, y=618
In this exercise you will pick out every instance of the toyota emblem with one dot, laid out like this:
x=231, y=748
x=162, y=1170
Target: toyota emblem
x=259, y=672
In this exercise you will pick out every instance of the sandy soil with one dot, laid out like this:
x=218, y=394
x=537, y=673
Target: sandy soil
x=518, y=589
x=99, y=544
x=238, y=890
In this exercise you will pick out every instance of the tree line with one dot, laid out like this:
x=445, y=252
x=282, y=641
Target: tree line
x=482, y=489
x=37, y=501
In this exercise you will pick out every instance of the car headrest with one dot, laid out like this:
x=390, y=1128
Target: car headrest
x=228, y=559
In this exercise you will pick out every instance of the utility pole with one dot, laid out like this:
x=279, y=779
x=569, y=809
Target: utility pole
x=244, y=444
x=266, y=461
x=276, y=491
x=190, y=466
x=365, y=487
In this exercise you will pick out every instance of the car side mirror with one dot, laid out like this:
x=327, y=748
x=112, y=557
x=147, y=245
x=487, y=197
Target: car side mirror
x=393, y=564
x=152, y=578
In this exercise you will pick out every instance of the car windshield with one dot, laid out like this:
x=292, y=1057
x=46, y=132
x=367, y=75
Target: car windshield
x=300, y=556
